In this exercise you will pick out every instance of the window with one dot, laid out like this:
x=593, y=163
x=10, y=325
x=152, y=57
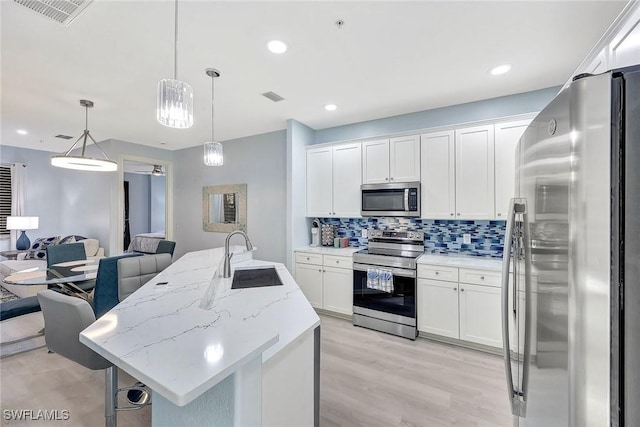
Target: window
x=5, y=198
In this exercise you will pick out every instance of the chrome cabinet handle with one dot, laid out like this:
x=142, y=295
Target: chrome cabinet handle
x=499, y=214
x=391, y=178
x=455, y=289
x=458, y=213
x=481, y=277
x=308, y=258
x=461, y=289
x=437, y=272
x=451, y=213
x=386, y=179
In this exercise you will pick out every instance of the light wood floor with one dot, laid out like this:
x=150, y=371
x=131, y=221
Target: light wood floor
x=374, y=379
x=367, y=379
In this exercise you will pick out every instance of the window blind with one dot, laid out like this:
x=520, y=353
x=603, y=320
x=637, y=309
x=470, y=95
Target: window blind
x=5, y=198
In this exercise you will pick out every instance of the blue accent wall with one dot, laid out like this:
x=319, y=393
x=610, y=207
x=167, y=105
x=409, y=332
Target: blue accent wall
x=441, y=236
x=487, y=109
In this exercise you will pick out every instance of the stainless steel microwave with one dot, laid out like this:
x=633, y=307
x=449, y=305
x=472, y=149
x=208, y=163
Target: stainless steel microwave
x=397, y=199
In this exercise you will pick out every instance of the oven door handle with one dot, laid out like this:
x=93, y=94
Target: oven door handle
x=395, y=271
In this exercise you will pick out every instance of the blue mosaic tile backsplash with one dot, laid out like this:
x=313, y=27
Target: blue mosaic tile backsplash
x=441, y=236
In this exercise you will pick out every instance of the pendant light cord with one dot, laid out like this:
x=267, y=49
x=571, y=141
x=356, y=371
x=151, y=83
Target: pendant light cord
x=175, y=44
x=213, y=78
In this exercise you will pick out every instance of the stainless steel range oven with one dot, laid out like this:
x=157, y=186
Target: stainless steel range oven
x=384, y=282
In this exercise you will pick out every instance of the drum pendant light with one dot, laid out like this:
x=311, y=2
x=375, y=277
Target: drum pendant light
x=82, y=162
x=212, y=149
x=175, y=98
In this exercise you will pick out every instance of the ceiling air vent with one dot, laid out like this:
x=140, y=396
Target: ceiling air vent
x=62, y=11
x=64, y=136
x=273, y=96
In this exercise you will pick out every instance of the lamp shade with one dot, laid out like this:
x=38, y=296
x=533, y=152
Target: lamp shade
x=22, y=222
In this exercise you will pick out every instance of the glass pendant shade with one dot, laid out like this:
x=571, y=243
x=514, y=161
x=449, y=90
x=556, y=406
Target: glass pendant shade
x=213, y=154
x=175, y=104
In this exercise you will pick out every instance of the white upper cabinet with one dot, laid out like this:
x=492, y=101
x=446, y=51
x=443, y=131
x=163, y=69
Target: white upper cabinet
x=507, y=135
x=333, y=181
x=391, y=160
x=404, y=159
x=624, y=49
x=475, y=172
x=438, y=172
x=347, y=172
x=320, y=182
x=375, y=161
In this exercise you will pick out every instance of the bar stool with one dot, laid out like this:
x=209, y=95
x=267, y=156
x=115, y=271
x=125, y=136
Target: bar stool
x=64, y=318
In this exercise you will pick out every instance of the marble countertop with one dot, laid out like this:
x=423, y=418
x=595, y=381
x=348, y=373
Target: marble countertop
x=184, y=337
x=329, y=250
x=462, y=261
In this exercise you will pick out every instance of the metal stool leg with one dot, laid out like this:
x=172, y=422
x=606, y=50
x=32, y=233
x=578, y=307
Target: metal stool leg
x=110, y=396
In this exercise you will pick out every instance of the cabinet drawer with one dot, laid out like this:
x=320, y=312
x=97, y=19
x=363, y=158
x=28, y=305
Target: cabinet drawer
x=338, y=261
x=437, y=272
x=480, y=277
x=308, y=258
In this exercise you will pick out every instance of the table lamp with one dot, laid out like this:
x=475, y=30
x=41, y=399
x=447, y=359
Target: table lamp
x=22, y=223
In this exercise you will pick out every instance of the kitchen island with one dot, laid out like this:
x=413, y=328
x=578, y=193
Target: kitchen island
x=215, y=355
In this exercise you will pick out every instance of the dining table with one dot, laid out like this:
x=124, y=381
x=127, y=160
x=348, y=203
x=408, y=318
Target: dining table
x=64, y=275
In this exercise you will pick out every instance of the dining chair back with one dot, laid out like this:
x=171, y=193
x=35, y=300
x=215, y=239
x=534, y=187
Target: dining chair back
x=135, y=272
x=105, y=294
x=166, y=247
x=65, y=252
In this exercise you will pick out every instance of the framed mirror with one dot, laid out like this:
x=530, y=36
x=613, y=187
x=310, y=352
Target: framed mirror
x=224, y=208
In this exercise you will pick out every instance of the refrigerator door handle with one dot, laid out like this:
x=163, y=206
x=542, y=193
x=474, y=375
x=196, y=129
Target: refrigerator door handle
x=524, y=387
x=514, y=395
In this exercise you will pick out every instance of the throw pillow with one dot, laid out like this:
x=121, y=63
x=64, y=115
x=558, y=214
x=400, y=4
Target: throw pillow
x=38, y=249
x=71, y=239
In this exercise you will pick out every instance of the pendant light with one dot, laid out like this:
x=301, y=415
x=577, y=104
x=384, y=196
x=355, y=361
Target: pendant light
x=175, y=98
x=212, y=149
x=82, y=162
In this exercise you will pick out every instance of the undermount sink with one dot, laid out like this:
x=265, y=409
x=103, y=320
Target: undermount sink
x=255, y=278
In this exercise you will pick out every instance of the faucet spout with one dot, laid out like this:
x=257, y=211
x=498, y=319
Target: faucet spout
x=227, y=256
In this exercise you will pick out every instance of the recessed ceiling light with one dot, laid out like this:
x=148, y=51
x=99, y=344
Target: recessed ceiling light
x=501, y=69
x=276, y=46
x=330, y=107
x=22, y=132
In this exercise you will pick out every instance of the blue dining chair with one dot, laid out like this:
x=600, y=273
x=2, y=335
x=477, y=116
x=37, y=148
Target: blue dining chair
x=105, y=293
x=65, y=252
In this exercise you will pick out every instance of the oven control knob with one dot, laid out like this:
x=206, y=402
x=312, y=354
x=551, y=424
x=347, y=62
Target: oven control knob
x=411, y=235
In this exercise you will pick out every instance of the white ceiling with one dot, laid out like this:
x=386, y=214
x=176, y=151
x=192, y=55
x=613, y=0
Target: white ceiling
x=390, y=58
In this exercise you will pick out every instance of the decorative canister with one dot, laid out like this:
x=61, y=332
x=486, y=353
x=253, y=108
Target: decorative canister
x=327, y=234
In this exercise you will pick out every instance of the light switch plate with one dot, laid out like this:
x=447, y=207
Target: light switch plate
x=363, y=233
x=466, y=238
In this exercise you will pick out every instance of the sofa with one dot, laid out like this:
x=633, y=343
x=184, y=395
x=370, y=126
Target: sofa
x=33, y=258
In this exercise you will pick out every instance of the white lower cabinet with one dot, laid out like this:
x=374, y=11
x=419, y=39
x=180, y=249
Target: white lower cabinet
x=480, y=314
x=438, y=307
x=338, y=290
x=326, y=281
x=453, y=308
x=309, y=278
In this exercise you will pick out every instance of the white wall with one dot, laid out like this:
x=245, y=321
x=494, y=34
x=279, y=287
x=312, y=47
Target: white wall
x=259, y=162
x=298, y=234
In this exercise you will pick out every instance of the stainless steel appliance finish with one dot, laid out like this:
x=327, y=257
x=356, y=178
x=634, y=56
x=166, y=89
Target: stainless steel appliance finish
x=568, y=358
x=391, y=199
x=388, y=310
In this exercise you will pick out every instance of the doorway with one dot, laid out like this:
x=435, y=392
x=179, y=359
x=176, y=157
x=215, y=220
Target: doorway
x=144, y=200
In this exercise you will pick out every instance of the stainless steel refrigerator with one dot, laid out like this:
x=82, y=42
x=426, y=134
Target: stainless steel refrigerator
x=571, y=267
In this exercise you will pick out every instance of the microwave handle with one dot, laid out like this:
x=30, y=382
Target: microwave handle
x=406, y=200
